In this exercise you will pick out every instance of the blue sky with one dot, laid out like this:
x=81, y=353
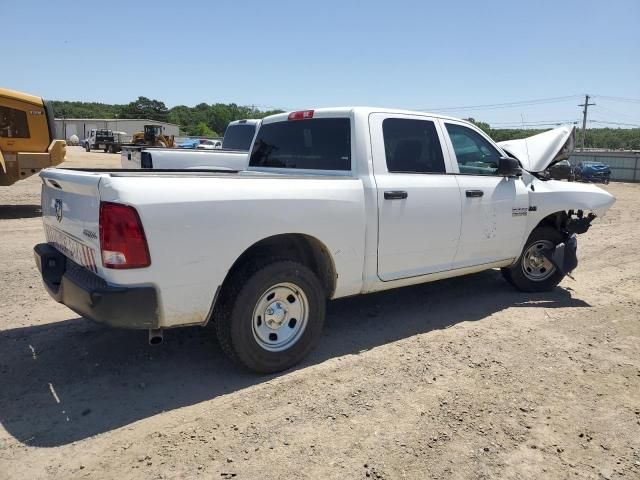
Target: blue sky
x=297, y=54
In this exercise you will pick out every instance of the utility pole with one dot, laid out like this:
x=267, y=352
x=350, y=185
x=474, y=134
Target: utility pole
x=586, y=105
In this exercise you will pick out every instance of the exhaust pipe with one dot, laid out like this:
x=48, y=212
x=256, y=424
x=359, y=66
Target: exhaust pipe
x=155, y=336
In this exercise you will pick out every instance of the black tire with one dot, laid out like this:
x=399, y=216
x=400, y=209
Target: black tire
x=234, y=320
x=515, y=273
x=88, y=148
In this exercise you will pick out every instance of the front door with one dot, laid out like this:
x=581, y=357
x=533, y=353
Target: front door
x=418, y=197
x=494, y=208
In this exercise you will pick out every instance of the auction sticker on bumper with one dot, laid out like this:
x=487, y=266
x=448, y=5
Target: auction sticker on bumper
x=71, y=248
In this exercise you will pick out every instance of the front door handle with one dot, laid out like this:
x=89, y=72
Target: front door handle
x=395, y=195
x=474, y=193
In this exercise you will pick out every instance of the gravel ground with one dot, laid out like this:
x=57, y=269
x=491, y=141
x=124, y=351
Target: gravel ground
x=463, y=378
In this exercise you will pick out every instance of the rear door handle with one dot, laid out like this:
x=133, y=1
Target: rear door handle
x=395, y=195
x=474, y=193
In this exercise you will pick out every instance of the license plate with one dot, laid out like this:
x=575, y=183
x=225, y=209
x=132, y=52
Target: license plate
x=71, y=248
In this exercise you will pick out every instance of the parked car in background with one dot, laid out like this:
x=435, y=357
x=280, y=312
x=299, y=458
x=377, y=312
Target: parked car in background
x=189, y=143
x=560, y=170
x=592, y=172
x=210, y=145
x=103, y=139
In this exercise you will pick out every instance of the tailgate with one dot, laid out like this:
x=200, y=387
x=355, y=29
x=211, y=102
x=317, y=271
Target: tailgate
x=130, y=157
x=70, y=212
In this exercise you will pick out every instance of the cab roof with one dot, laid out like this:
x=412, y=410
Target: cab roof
x=24, y=97
x=347, y=111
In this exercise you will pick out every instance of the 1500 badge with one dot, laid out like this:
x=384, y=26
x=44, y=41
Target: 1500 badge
x=519, y=212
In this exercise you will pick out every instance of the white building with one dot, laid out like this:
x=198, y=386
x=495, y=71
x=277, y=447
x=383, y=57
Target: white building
x=65, y=127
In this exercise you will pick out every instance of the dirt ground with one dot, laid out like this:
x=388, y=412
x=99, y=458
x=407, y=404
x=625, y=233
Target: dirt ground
x=463, y=378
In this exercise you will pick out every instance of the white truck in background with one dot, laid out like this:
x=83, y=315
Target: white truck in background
x=233, y=155
x=335, y=202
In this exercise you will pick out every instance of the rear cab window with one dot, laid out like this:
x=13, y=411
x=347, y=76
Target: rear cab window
x=238, y=137
x=310, y=144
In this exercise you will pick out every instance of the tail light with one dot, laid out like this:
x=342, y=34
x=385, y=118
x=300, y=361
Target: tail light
x=122, y=240
x=301, y=115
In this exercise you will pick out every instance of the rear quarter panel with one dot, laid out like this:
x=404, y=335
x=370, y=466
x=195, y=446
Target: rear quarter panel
x=198, y=226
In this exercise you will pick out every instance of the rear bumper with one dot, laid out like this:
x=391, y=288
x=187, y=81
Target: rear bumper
x=90, y=296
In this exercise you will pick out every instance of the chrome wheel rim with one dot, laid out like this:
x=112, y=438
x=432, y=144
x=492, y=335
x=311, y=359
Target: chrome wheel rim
x=280, y=317
x=535, y=266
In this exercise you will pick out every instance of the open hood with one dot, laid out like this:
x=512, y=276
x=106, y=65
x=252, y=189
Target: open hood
x=539, y=152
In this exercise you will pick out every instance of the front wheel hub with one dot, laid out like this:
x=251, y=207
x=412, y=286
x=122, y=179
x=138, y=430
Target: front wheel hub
x=535, y=265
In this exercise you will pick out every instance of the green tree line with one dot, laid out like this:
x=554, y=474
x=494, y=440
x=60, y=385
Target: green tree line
x=212, y=119
x=201, y=120
x=608, y=138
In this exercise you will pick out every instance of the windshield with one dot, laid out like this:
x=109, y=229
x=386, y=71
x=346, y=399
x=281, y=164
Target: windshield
x=238, y=137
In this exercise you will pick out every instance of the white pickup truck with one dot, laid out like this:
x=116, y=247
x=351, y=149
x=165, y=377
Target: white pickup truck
x=234, y=154
x=335, y=202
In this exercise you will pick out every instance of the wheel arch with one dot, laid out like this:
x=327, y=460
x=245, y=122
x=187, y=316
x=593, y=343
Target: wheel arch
x=557, y=220
x=300, y=247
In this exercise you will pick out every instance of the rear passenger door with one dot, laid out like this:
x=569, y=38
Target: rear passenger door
x=418, y=203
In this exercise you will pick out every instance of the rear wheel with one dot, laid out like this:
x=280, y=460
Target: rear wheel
x=533, y=272
x=271, y=316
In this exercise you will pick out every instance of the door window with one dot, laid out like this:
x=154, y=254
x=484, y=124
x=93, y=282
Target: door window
x=475, y=155
x=13, y=123
x=412, y=146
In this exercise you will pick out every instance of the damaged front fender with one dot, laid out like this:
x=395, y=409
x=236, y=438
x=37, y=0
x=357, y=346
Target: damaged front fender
x=552, y=196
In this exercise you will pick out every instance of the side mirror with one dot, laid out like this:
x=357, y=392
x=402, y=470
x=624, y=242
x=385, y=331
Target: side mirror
x=509, y=167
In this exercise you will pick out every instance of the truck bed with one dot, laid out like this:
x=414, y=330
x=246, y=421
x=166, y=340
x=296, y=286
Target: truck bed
x=198, y=223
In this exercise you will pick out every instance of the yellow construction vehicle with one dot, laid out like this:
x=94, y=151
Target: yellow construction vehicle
x=27, y=143
x=153, y=137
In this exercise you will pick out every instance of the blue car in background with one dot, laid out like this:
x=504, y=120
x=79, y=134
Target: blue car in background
x=189, y=143
x=592, y=172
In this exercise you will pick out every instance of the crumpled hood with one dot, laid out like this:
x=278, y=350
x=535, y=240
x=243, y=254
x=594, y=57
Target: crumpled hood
x=540, y=151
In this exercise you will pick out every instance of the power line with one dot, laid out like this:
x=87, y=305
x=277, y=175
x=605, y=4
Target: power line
x=533, y=122
x=615, y=123
x=618, y=99
x=606, y=109
x=492, y=106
